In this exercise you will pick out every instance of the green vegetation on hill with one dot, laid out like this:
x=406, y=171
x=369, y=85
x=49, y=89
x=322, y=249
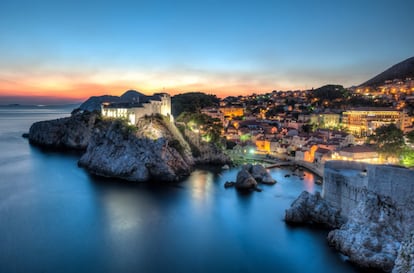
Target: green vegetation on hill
x=209, y=129
x=192, y=102
x=330, y=92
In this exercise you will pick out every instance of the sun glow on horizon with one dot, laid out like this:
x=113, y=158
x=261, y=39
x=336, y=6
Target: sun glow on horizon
x=77, y=88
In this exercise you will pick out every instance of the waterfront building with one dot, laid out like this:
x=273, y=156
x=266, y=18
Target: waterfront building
x=159, y=103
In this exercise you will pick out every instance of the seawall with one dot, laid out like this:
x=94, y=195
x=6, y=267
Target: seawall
x=346, y=183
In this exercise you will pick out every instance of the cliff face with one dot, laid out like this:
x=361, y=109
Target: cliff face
x=405, y=260
x=372, y=235
x=72, y=133
x=154, y=149
x=152, y=152
x=204, y=152
x=377, y=206
x=312, y=209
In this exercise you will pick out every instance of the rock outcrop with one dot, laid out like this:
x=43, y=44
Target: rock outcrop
x=66, y=133
x=312, y=209
x=372, y=235
x=245, y=180
x=152, y=152
x=405, y=259
x=250, y=175
x=261, y=175
x=377, y=204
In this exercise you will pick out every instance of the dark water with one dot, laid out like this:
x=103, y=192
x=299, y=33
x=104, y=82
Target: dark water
x=54, y=217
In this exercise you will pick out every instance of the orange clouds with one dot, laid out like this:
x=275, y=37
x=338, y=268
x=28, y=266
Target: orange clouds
x=79, y=85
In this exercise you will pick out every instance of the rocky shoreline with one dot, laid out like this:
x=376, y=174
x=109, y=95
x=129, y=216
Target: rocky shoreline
x=153, y=150
x=375, y=235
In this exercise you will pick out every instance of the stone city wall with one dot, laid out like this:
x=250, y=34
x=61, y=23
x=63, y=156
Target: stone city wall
x=346, y=181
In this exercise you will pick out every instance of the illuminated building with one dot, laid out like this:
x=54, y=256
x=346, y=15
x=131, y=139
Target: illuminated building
x=364, y=120
x=357, y=153
x=232, y=111
x=148, y=105
x=325, y=120
x=263, y=145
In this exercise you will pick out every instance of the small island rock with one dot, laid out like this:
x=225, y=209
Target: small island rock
x=245, y=180
x=311, y=208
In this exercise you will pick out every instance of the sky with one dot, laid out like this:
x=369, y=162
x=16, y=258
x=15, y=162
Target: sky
x=65, y=51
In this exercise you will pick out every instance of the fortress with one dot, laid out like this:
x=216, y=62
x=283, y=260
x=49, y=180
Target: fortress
x=138, y=106
x=345, y=183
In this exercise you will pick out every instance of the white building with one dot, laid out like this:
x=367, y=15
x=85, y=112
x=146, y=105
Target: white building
x=159, y=103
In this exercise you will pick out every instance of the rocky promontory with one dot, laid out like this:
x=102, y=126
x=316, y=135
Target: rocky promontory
x=153, y=149
x=150, y=152
x=73, y=132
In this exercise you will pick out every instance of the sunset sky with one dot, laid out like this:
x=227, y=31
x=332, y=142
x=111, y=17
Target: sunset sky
x=56, y=51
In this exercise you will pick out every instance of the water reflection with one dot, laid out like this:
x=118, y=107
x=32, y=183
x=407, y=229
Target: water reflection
x=309, y=181
x=201, y=181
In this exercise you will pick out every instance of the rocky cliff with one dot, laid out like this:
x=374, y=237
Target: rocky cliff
x=372, y=235
x=150, y=152
x=405, y=259
x=66, y=133
x=153, y=149
x=312, y=209
x=205, y=152
x=376, y=209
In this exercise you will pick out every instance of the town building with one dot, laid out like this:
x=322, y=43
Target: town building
x=232, y=111
x=325, y=120
x=363, y=121
x=357, y=153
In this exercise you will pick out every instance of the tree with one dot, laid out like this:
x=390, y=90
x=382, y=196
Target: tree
x=410, y=137
x=407, y=157
x=208, y=127
x=389, y=140
x=192, y=102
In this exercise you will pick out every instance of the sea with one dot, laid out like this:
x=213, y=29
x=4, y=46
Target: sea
x=55, y=217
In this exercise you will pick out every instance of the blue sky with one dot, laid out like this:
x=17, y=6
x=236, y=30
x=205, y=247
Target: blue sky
x=72, y=49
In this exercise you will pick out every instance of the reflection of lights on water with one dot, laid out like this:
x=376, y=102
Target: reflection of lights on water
x=122, y=214
x=201, y=186
x=309, y=182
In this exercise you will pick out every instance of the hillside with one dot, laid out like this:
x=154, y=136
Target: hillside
x=401, y=70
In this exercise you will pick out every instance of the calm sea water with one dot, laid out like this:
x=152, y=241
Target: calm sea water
x=54, y=217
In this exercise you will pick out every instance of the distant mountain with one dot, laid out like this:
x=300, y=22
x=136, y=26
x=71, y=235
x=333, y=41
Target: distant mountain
x=94, y=103
x=402, y=70
x=133, y=95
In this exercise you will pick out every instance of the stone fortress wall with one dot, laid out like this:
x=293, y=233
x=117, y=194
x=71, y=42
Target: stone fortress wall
x=345, y=184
